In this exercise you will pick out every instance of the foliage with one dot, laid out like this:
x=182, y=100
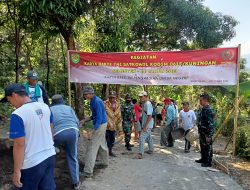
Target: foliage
x=243, y=142
x=114, y=25
x=174, y=24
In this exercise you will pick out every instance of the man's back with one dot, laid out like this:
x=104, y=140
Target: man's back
x=64, y=117
x=32, y=121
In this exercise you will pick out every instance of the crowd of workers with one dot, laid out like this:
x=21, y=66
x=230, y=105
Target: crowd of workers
x=37, y=127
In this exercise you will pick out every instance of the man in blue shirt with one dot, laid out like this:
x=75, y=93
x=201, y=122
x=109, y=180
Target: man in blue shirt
x=166, y=136
x=66, y=133
x=97, y=140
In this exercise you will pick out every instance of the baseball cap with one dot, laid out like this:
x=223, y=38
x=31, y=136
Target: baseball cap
x=15, y=87
x=112, y=94
x=143, y=93
x=33, y=75
x=88, y=90
x=167, y=100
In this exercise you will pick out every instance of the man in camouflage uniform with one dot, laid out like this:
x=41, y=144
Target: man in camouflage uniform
x=128, y=117
x=206, y=127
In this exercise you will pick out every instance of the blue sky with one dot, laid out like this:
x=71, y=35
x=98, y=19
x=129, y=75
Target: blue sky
x=240, y=10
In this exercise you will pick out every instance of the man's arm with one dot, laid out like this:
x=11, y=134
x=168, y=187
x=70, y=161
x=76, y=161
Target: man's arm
x=45, y=95
x=149, y=117
x=18, y=156
x=17, y=133
x=145, y=127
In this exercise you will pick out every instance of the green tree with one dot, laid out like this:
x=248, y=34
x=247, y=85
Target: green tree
x=62, y=16
x=174, y=24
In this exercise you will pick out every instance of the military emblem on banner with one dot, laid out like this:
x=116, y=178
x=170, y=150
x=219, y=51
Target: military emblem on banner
x=75, y=58
x=228, y=55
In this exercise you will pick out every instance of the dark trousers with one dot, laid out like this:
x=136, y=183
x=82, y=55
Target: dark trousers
x=69, y=138
x=39, y=177
x=206, y=150
x=110, y=137
x=187, y=143
x=170, y=137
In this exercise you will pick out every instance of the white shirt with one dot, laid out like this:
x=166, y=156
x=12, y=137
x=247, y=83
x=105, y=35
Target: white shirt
x=188, y=119
x=32, y=121
x=147, y=110
x=33, y=96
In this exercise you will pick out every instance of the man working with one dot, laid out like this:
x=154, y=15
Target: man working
x=36, y=92
x=128, y=117
x=66, y=133
x=147, y=125
x=166, y=136
x=114, y=117
x=187, y=122
x=33, y=150
x=206, y=125
x=97, y=141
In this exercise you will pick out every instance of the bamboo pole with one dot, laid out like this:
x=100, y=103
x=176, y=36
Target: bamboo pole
x=69, y=87
x=236, y=100
x=230, y=139
x=226, y=120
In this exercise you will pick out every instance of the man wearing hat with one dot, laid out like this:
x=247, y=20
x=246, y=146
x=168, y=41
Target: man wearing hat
x=36, y=92
x=166, y=136
x=147, y=125
x=31, y=131
x=97, y=141
x=187, y=122
x=128, y=117
x=114, y=117
x=66, y=133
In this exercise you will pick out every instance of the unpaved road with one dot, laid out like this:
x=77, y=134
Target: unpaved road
x=166, y=169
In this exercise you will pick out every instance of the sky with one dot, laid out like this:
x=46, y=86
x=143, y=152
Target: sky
x=240, y=10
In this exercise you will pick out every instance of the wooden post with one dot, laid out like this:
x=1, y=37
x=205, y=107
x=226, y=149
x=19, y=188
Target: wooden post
x=232, y=111
x=69, y=87
x=236, y=100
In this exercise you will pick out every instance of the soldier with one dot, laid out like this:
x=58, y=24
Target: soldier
x=128, y=116
x=206, y=127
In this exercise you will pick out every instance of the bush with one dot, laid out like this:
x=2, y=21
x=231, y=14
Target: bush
x=243, y=142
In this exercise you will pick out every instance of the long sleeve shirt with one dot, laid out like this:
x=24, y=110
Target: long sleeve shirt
x=170, y=115
x=98, y=112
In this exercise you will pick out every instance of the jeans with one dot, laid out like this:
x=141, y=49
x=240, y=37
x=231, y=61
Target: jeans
x=69, y=138
x=146, y=136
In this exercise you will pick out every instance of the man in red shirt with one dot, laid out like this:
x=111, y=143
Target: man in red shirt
x=137, y=124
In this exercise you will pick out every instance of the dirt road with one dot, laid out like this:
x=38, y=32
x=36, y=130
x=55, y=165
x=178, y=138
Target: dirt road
x=167, y=168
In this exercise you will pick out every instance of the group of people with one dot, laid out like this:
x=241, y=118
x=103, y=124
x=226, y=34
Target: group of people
x=37, y=126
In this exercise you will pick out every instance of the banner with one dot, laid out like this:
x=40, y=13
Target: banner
x=217, y=66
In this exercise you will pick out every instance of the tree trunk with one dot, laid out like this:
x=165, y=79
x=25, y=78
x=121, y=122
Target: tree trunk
x=64, y=65
x=79, y=108
x=117, y=90
x=17, y=50
x=105, y=91
x=47, y=63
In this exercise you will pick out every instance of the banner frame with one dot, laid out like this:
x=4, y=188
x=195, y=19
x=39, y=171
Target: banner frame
x=237, y=89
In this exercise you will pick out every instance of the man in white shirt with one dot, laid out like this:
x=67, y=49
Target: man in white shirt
x=31, y=131
x=187, y=122
x=36, y=91
x=147, y=125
